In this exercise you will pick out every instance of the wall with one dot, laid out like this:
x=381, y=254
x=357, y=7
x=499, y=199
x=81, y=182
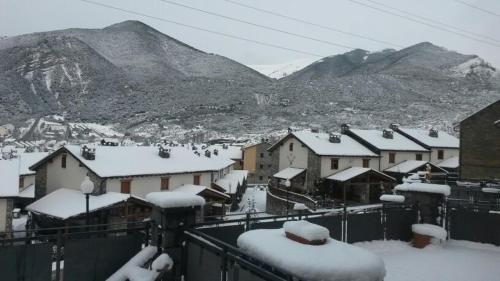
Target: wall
x=28, y=180
x=344, y=163
x=448, y=153
x=264, y=158
x=480, y=145
x=3, y=214
x=296, y=158
x=69, y=177
x=140, y=186
x=249, y=155
x=400, y=157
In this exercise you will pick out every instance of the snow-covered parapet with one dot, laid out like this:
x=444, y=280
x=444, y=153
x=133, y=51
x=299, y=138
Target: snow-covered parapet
x=329, y=262
x=133, y=270
x=392, y=198
x=490, y=190
x=430, y=230
x=174, y=199
x=424, y=187
x=306, y=232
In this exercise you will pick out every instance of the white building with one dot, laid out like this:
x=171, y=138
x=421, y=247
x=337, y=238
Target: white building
x=125, y=169
x=9, y=191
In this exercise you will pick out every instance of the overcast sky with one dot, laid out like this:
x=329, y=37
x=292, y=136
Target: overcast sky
x=26, y=16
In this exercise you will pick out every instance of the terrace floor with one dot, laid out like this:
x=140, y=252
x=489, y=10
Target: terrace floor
x=449, y=261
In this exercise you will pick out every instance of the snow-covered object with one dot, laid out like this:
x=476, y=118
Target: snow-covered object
x=133, y=270
x=307, y=230
x=299, y=207
x=162, y=262
x=490, y=190
x=332, y=261
x=28, y=159
x=408, y=166
x=288, y=173
x=398, y=142
x=65, y=203
x=413, y=178
x=174, y=199
x=9, y=177
x=197, y=189
x=443, y=139
x=353, y=172
x=230, y=181
x=424, y=187
x=430, y=230
x=281, y=70
x=392, y=198
x=27, y=192
x=450, y=163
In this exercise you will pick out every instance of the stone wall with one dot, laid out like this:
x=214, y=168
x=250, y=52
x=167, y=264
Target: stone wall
x=276, y=205
x=41, y=182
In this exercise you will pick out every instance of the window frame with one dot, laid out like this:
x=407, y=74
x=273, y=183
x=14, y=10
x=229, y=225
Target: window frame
x=392, y=157
x=419, y=157
x=366, y=162
x=440, y=155
x=126, y=181
x=334, y=163
x=162, y=183
x=64, y=160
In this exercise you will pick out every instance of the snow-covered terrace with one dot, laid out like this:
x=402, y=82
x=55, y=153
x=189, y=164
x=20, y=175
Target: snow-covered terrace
x=231, y=181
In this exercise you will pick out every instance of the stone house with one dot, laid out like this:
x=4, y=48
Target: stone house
x=480, y=145
x=258, y=161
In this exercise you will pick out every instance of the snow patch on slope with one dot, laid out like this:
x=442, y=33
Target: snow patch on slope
x=281, y=70
x=476, y=67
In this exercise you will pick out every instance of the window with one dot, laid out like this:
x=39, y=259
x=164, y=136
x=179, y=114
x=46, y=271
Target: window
x=334, y=163
x=269, y=165
x=63, y=161
x=165, y=181
x=418, y=157
x=290, y=147
x=125, y=186
x=366, y=163
x=261, y=178
x=262, y=155
x=196, y=179
x=21, y=182
x=270, y=154
x=261, y=166
x=440, y=154
x=392, y=158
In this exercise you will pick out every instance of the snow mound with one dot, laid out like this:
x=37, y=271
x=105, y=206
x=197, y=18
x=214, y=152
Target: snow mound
x=392, y=198
x=299, y=207
x=162, y=262
x=281, y=70
x=424, y=187
x=133, y=270
x=490, y=190
x=430, y=230
x=332, y=261
x=174, y=199
x=307, y=230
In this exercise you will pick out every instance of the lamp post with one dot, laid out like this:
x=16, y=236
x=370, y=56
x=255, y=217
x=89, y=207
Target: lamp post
x=87, y=186
x=288, y=184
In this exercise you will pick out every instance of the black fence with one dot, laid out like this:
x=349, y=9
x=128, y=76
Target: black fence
x=82, y=253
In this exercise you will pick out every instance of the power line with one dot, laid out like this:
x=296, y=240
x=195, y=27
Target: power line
x=203, y=29
x=432, y=20
x=478, y=8
x=423, y=22
x=259, y=25
x=313, y=24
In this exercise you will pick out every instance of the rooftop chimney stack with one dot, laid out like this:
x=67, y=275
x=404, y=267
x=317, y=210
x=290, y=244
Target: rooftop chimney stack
x=394, y=126
x=208, y=153
x=433, y=133
x=344, y=128
x=388, y=134
x=335, y=138
x=164, y=151
x=216, y=152
x=88, y=153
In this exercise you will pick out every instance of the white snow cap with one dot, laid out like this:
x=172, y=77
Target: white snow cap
x=332, y=261
x=490, y=190
x=174, y=199
x=430, y=230
x=162, y=262
x=299, y=207
x=392, y=198
x=307, y=230
x=424, y=187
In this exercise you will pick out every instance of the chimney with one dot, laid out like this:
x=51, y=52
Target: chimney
x=88, y=153
x=163, y=151
x=433, y=133
x=388, y=134
x=344, y=128
x=225, y=146
x=334, y=138
x=290, y=130
x=394, y=126
x=208, y=153
x=216, y=152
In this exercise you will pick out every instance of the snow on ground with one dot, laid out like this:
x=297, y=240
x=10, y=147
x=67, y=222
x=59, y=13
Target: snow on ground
x=450, y=261
x=253, y=198
x=19, y=224
x=281, y=70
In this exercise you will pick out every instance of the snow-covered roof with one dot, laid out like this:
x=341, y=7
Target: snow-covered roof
x=424, y=187
x=450, y=163
x=197, y=189
x=332, y=261
x=490, y=190
x=443, y=139
x=232, y=152
x=392, y=198
x=397, y=143
x=119, y=161
x=430, y=230
x=230, y=181
x=406, y=166
x=28, y=192
x=353, y=172
x=28, y=159
x=321, y=145
x=9, y=177
x=307, y=230
x=288, y=173
x=174, y=199
x=65, y=203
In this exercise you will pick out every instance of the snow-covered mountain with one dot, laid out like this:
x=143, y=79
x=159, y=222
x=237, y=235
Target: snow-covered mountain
x=281, y=70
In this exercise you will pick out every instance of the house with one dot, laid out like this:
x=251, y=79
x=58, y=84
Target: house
x=232, y=152
x=441, y=144
x=130, y=170
x=258, y=161
x=480, y=145
x=434, y=173
x=392, y=147
x=9, y=191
